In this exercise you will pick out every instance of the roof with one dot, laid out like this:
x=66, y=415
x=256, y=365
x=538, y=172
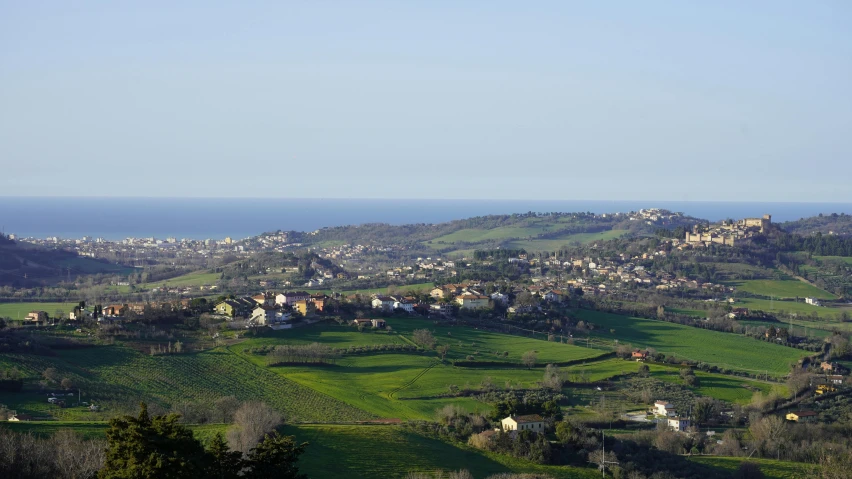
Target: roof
x=527, y=418
x=804, y=413
x=296, y=293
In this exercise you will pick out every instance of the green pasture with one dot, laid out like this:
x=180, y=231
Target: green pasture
x=771, y=468
x=786, y=288
x=82, y=265
x=333, y=335
x=20, y=310
x=118, y=378
x=470, y=235
x=716, y=348
x=536, y=245
x=203, y=432
x=379, y=452
x=490, y=346
x=196, y=278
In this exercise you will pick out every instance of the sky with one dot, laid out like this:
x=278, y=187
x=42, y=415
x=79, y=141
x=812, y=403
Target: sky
x=620, y=100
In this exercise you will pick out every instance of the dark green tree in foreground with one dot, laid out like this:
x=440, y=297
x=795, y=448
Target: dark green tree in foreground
x=146, y=447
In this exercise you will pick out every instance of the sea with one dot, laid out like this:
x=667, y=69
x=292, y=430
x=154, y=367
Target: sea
x=217, y=218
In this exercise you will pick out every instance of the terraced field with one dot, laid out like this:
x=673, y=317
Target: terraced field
x=712, y=347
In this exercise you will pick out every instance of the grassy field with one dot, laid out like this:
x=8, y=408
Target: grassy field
x=196, y=278
x=726, y=388
x=118, y=377
x=418, y=287
x=378, y=452
x=771, y=469
x=554, y=244
x=788, y=288
x=502, y=233
x=712, y=347
x=845, y=259
x=20, y=310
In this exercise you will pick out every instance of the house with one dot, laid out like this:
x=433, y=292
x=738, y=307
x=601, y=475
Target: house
x=531, y=422
x=319, y=301
x=553, y=296
x=500, y=298
x=639, y=355
x=305, y=307
x=362, y=322
x=37, y=316
x=290, y=298
x=384, y=303
x=663, y=408
x=678, y=423
x=115, y=310
x=802, y=416
x=378, y=323
x=827, y=366
x=835, y=379
x=444, y=309
x=404, y=305
x=263, y=314
x=266, y=299
x=79, y=314
x=812, y=301
x=229, y=308
x=472, y=301
x=20, y=417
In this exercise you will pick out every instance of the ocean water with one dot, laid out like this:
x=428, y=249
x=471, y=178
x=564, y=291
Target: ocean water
x=216, y=218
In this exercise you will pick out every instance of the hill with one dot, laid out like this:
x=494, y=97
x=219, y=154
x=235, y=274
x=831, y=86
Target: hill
x=24, y=265
x=838, y=224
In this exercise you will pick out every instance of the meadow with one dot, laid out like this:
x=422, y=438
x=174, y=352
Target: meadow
x=771, y=469
x=378, y=452
x=536, y=245
x=781, y=289
x=20, y=310
x=196, y=278
x=715, y=348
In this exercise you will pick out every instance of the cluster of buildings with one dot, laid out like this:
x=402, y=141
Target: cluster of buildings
x=271, y=309
x=666, y=411
x=728, y=232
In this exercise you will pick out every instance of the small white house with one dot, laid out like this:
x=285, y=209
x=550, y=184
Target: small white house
x=812, y=301
x=678, y=423
x=404, y=305
x=531, y=422
x=663, y=408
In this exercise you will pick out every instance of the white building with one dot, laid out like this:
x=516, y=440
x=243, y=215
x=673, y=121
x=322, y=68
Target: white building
x=678, y=423
x=663, y=408
x=532, y=422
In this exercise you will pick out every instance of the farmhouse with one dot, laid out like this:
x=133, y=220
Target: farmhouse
x=835, y=379
x=37, y=316
x=812, y=301
x=639, y=355
x=378, y=323
x=801, y=416
x=679, y=424
x=663, y=408
x=115, y=310
x=531, y=422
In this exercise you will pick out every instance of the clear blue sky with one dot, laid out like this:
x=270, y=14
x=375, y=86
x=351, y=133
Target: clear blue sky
x=428, y=99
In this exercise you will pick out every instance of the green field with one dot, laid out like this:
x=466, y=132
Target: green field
x=845, y=259
x=787, y=288
x=380, y=452
x=196, y=278
x=118, y=377
x=20, y=310
x=712, y=347
x=771, y=469
x=502, y=233
x=97, y=429
x=555, y=244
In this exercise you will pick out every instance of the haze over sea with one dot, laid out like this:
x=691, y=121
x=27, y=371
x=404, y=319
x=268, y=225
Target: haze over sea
x=216, y=218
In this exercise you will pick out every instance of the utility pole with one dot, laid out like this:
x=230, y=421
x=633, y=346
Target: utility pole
x=604, y=462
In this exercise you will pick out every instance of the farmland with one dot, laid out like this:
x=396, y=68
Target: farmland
x=196, y=278
x=787, y=288
x=535, y=245
x=116, y=377
x=391, y=452
x=20, y=310
x=771, y=469
x=720, y=349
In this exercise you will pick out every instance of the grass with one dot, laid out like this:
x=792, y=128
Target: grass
x=196, y=278
x=716, y=348
x=20, y=310
x=470, y=235
x=404, y=288
x=118, y=378
x=786, y=288
x=844, y=259
x=771, y=468
x=203, y=432
x=554, y=244
x=379, y=452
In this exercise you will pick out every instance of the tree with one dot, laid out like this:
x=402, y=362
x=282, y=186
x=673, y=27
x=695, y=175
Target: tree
x=529, y=359
x=424, y=338
x=251, y=422
x=443, y=350
x=224, y=409
x=66, y=383
x=152, y=447
x=644, y=371
x=51, y=374
x=224, y=463
x=552, y=377
x=276, y=457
